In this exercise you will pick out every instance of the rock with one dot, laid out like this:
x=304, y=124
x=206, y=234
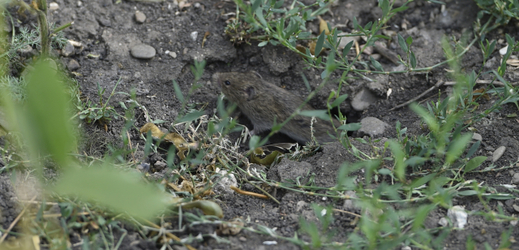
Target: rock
x=477, y=137
x=498, y=153
x=53, y=6
x=363, y=99
x=372, y=126
x=348, y=204
x=73, y=65
x=68, y=50
x=143, y=51
x=140, y=17
x=223, y=187
x=515, y=178
x=278, y=59
x=491, y=63
x=171, y=53
x=503, y=50
x=288, y=169
x=194, y=35
x=458, y=216
x=443, y=222
x=104, y=21
x=159, y=166
x=379, y=86
x=26, y=51
x=347, y=39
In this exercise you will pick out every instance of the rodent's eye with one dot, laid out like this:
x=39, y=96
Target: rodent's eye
x=227, y=83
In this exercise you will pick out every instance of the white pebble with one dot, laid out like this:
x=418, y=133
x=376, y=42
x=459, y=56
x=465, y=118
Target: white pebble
x=503, y=50
x=458, y=216
x=53, y=6
x=194, y=35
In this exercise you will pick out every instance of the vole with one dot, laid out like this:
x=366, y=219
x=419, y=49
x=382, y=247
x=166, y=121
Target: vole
x=263, y=103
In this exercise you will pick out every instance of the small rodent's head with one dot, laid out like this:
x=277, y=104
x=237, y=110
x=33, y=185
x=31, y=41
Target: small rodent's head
x=238, y=87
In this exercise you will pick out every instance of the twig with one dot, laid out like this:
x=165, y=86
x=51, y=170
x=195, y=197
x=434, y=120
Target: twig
x=437, y=85
x=347, y=212
x=237, y=190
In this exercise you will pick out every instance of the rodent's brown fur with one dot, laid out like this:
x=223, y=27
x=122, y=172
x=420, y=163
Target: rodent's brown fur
x=263, y=103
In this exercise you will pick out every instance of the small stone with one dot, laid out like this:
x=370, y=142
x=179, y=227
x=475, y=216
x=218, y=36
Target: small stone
x=514, y=222
x=194, y=35
x=223, y=187
x=26, y=51
x=143, y=167
x=406, y=248
x=443, y=222
x=347, y=39
x=197, y=5
x=143, y=51
x=173, y=54
x=160, y=165
x=53, y=6
x=68, y=50
x=491, y=63
x=140, y=17
x=498, y=153
x=104, y=21
x=477, y=137
x=503, y=50
x=372, y=126
x=458, y=216
x=242, y=238
x=516, y=208
x=363, y=99
x=73, y=65
x=515, y=179
x=79, y=3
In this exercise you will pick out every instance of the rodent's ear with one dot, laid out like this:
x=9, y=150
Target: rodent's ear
x=251, y=93
x=256, y=74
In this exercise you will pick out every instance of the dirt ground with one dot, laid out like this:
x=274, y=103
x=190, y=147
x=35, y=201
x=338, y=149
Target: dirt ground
x=108, y=30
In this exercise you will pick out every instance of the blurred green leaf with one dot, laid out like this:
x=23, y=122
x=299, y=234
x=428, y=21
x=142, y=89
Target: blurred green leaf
x=319, y=44
x=322, y=114
x=121, y=191
x=398, y=155
x=339, y=100
x=178, y=92
x=412, y=59
x=45, y=120
x=384, y=5
x=350, y=127
x=347, y=48
x=263, y=43
x=474, y=163
x=254, y=142
x=402, y=43
x=259, y=14
x=376, y=64
x=430, y=120
x=191, y=116
x=457, y=147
